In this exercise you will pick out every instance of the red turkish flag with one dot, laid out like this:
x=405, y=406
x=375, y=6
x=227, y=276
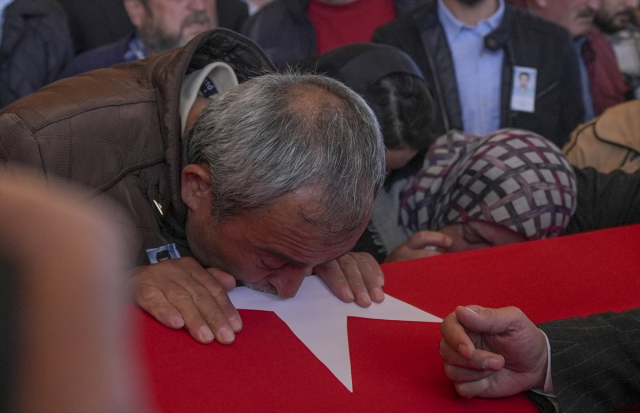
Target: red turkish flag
x=395, y=364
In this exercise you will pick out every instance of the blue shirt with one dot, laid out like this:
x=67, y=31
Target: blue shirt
x=135, y=49
x=3, y=5
x=478, y=70
x=587, y=98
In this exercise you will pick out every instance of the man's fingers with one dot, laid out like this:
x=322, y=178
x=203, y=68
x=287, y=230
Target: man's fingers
x=489, y=320
x=151, y=299
x=472, y=388
x=463, y=375
x=226, y=280
x=181, y=293
x=332, y=275
x=456, y=337
x=221, y=298
x=185, y=303
x=354, y=277
x=480, y=360
x=350, y=266
x=371, y=274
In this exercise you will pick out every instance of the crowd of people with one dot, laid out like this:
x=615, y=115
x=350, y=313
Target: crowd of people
x=255, y=143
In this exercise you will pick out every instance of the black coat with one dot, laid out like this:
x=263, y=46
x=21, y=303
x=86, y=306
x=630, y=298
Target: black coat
x=526, y=40
x=36, y=46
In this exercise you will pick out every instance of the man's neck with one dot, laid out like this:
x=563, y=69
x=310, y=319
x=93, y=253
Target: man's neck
x=472, y=15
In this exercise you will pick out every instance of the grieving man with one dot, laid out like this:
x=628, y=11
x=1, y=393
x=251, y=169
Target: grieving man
x=259, y=184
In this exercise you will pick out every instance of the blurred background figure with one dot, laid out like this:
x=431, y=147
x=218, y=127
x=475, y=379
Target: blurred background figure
x=255, y=5
x=65, y=343
x=95, y=23
x=292, y=30
x=617, y=20
x=603, y=85
x=35, y=45
x=149, y=27
x=471, y=54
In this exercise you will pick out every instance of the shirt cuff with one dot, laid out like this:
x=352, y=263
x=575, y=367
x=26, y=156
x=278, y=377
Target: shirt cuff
x=547, y=389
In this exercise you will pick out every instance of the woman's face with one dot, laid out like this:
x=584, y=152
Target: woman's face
x=476, y=234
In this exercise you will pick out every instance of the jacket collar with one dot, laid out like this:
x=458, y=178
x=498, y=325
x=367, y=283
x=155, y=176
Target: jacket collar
x=167, y=71
x=426, y=18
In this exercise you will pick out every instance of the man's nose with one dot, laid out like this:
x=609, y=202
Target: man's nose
x=287, y=280
x=198, y=4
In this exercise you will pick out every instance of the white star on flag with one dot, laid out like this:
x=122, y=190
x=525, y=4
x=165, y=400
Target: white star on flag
x=319, y=319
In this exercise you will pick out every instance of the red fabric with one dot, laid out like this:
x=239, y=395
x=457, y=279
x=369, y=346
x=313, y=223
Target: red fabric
x=607, y=84
x=395, y=365
x=338, y=25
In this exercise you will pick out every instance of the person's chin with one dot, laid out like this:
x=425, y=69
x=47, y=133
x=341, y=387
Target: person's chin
x=193, y=30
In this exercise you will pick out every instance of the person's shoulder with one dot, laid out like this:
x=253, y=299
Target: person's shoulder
x=537, y=26
x=405, y=23
x=98, y=58
x=267, y=18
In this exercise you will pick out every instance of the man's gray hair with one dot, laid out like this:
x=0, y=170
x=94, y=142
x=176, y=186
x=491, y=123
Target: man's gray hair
x=277, y=133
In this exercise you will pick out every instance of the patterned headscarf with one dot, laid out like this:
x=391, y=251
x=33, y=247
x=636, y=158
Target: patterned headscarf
x=513, y=178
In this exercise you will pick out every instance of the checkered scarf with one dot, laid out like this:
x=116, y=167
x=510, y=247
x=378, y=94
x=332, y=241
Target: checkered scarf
x=513, y=178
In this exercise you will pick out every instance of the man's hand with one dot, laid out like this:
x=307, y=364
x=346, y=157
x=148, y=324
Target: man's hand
x=354, y=276
x=492, y=353
x=180, y=293
x=419, y=245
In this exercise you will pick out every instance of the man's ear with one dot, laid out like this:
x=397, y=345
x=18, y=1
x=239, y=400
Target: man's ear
x=137, y=12
x=196, y=187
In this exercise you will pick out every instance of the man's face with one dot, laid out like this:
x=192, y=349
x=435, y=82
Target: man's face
x=476, y=234
x=575, y=15
x=172, y=23
x=270, y=250
x=615, y=14
x=524, y=81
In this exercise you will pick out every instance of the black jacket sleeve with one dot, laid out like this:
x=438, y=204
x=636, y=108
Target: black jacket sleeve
x=605, y=200
x=595, y=361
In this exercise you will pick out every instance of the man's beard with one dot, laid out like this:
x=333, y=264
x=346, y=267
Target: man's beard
x=470, y=2
x=608, y=26
x=157, y=41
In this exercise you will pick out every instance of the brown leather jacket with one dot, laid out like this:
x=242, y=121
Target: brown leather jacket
x=117, y=130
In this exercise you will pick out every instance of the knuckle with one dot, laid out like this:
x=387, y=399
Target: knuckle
x=178, y=296
x=147, y=293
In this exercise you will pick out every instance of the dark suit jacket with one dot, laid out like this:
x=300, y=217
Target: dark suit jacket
x=526, y=40
x=595, y=362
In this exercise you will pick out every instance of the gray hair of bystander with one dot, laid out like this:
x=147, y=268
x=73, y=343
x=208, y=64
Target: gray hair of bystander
x=279, y=133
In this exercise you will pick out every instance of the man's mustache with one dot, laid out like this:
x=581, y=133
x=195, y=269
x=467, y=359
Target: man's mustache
x=197, y=17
